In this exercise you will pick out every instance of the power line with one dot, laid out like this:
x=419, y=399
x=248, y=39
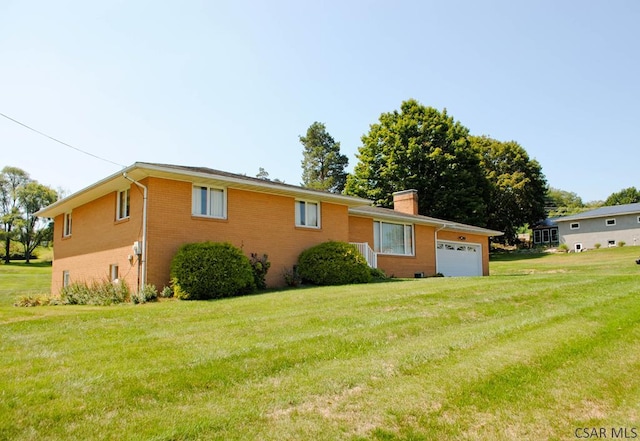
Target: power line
x=61, y=142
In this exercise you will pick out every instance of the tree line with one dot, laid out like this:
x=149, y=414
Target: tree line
x=460, y=177
x=20, y=198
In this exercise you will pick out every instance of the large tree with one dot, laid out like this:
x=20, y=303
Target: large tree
x=424, y=149
x=32, y=231
x=11, y=180
x=323, y=166
x=562, y=203
x=517, y=185
x=625, y=196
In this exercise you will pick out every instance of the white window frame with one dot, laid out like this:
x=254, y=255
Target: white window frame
x=408, y=242
x=639, y=219
x=122, y=212
x=197, y=205
x=304, y=214
x=574, y=226
x=546, y=236
x=67, y=225
x=114, y=273
x=66, y=278
x=610, y=222
x=611, y=243
x=554, y=235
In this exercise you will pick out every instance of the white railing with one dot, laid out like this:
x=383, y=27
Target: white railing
x=370, y=256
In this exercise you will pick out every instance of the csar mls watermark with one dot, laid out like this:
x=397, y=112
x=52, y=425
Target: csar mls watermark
x=606, y=432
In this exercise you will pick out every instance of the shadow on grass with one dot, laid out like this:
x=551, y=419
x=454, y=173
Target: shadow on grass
x=515, y=256
x=23, y=264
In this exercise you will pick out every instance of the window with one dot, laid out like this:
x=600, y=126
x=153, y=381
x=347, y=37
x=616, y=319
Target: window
x=307, y=214
x=545, y=236
x=611, y=243
x=610, y=222
x=393, y=238
x=66, y=280
x=554, y=235
x=113, y=272
x=536, y=236
x=575, y=226
x=66, y=231
x=639, y=219
x=122, y=210
x=210, y=202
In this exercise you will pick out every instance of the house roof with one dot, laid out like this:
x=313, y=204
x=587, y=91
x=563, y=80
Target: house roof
x=396, y=216
x=202, y=175
x=207, y=176
x=613, y=210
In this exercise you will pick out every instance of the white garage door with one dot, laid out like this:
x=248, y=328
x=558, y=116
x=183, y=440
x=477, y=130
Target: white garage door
x=455, y=259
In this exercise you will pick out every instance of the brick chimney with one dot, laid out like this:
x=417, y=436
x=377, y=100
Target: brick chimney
x=406, y=201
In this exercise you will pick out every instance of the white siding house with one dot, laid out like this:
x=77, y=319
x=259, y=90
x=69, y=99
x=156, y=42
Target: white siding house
x=607, y=226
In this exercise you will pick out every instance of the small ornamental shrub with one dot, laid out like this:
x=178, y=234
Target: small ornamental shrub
x=291, y=276
x=563, y=247
x=210, y=270
x=622, y=243
x=166, y=292
x=148, y=293
x=333, y=263
x=260, y=266
x=36, y=300
x=597, y=246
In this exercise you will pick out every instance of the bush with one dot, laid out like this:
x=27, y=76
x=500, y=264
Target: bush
x=291, y=276
x=260, y=266
x=622, y=243
x=210, y=270
x=102, y=292
x=166, y=292
x=148, y=293
x=563, y=247
x=333, y=263
x=597, y=246
x=36, y=300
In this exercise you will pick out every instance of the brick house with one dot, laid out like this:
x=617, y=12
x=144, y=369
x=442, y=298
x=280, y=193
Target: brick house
x=129, y=225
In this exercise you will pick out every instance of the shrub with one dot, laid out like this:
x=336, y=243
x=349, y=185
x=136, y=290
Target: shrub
x=597, y=246
x=166, y=292
x=36, y=300
x=563, y=247
x=622, y=243
x=377, y=275
x=260, y=266
x=102, y=292
x=291, y=276
x=210, y=270
x=148, y=293
x=333, y=263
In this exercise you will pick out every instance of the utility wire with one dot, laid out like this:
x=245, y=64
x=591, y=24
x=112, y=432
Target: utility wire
x=61, y=142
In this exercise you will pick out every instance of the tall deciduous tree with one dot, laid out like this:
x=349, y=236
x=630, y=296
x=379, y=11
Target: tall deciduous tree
x=625, y=196
x=424, y=149
x=11, y=180
x=562, y=203
x=32, y=231
x=517, y=185
x=323, y=166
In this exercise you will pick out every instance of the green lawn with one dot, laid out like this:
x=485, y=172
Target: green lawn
x=545, y=346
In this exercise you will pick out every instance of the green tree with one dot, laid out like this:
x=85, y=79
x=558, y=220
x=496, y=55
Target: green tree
x=32, y=230
x=625, y=196
x=323, y=166
x=562, y=203
x=517, y=185
x=11, y=180
x=424, y=149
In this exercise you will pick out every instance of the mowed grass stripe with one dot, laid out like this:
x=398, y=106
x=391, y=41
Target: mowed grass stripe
x=505, y=357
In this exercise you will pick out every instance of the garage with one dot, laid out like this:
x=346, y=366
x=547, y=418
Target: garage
x=456, y=259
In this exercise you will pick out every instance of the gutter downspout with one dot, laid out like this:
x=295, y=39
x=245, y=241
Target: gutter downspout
x=435, y=243
x=143, y=257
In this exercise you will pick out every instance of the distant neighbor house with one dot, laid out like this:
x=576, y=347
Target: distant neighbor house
x=546, y=232
x=607, y=226
x=129, y=226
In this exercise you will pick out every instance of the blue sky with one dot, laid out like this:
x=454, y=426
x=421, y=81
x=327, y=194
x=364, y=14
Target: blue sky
x=232, y=84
